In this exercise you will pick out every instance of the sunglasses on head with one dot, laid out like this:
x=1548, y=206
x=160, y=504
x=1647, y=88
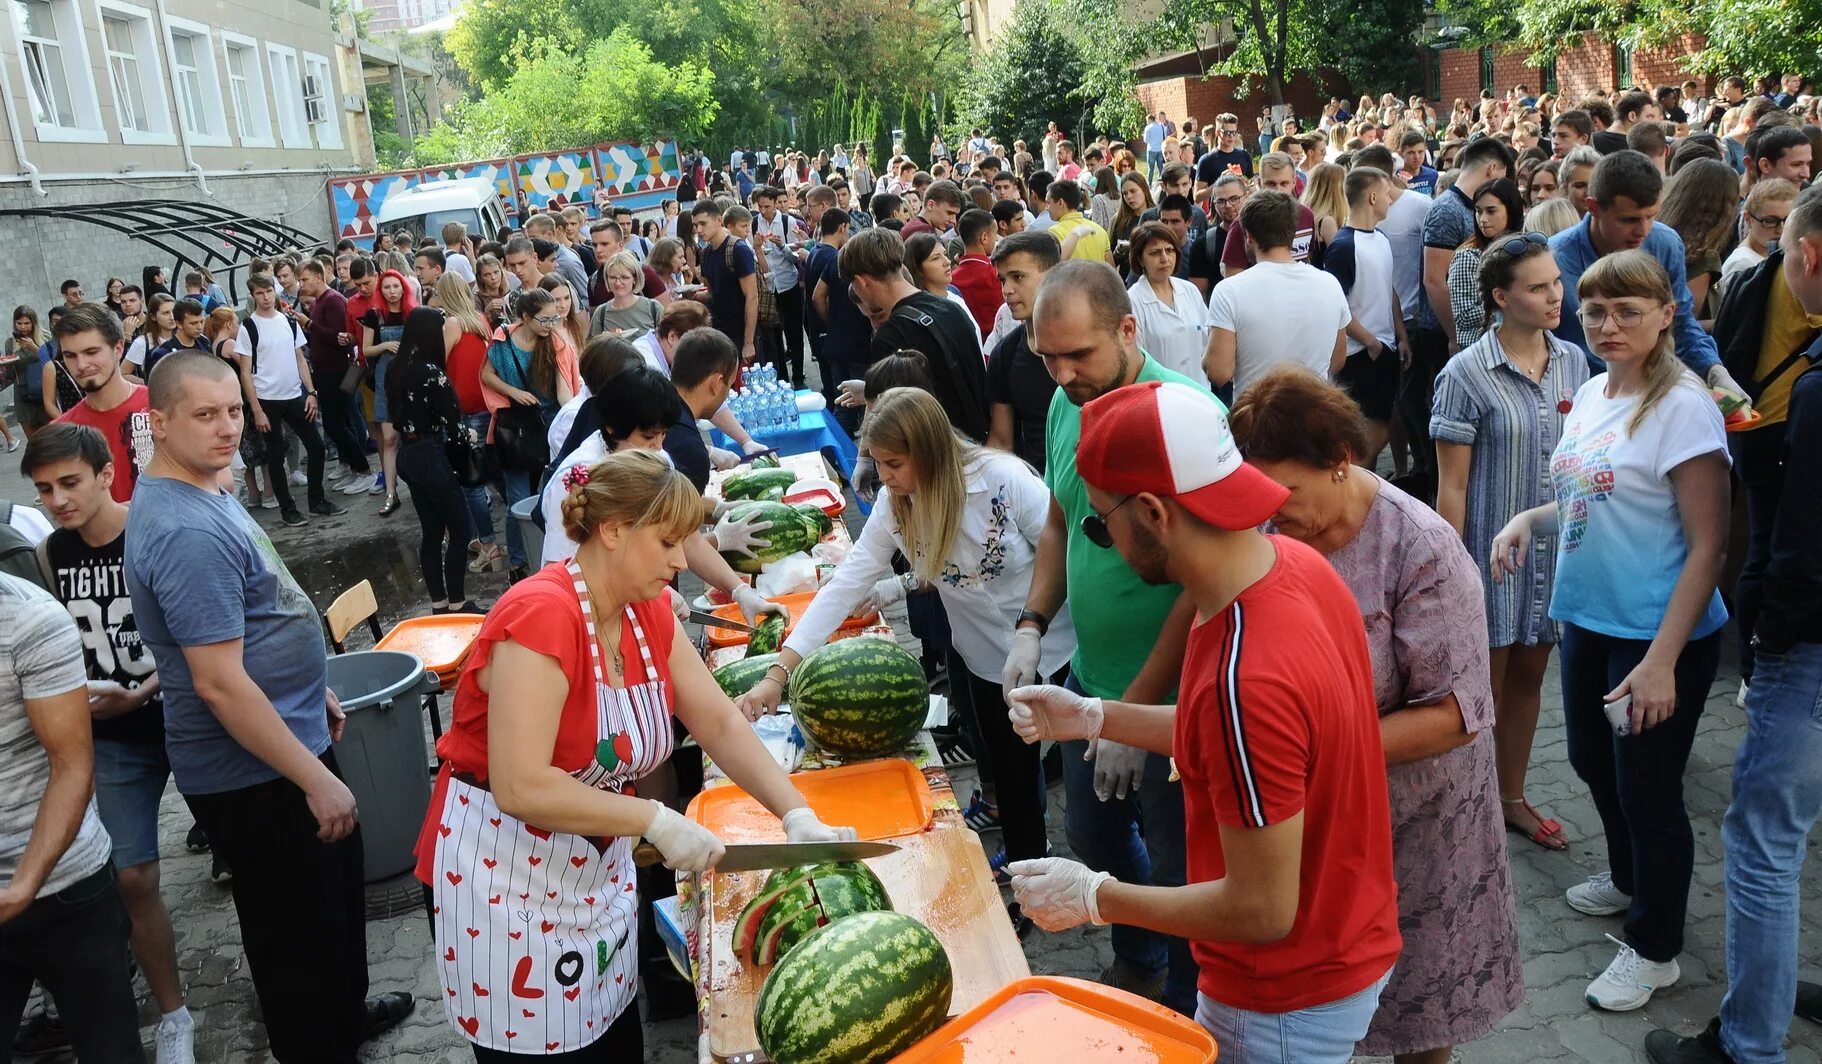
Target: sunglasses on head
x=1518, y=242
x=1094, y=526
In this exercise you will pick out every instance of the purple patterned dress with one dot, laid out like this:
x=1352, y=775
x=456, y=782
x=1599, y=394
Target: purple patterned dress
x=1421, y=599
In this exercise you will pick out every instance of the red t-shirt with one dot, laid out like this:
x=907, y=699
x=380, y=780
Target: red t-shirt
x=975, y=278
x=541, y=614
x=1234, y=254
x=128, y=429
x=1276, y=717
x=464, y=367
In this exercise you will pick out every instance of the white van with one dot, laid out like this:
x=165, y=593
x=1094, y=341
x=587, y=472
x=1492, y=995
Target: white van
x=424, y=209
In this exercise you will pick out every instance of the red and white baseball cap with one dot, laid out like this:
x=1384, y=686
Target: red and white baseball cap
x=1172, y=440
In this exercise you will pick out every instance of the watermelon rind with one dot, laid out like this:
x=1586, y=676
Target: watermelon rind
x=737, y=677
x=746, y=927
x=848, y=888
x=858, y=990
x=789, y=933
x=767, y=635
x=792, y=532
x=815, y=518
x=860, y=698
x=757, y=484
x=795, y=898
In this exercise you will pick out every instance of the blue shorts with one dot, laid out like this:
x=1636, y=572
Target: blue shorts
x=1320, y=1034
x=129, y=782
x=380, y=413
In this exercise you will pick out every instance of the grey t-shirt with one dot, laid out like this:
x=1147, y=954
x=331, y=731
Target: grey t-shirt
x=40, y=657
x=200, y=572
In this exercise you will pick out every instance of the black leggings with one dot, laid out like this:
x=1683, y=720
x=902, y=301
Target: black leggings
x=443, y=514
x=1017, y=770
x=622, y=1042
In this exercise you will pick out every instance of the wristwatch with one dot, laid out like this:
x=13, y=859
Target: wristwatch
x=311, y=392
x=1036, y=618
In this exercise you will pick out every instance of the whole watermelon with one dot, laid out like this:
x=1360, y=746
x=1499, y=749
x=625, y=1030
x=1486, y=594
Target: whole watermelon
x=860, y=698
x=862, y=989
x=792, y=531
x=757, y=484
x=738, y=677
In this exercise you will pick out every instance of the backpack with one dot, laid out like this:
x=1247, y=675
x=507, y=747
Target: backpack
x=252, y=328
x=31, y=377
x=18, y=557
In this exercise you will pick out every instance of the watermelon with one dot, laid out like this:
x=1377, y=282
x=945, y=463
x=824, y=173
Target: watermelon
x=738, y=677
x=847, y=888
x=765, y=461
x=746, y=928
x=814, y=516
x=860, y=698
x=862, y=989
x=757, y=484
x=792, y=531
x=787, y=933
x=829, y=891
x=767, y=634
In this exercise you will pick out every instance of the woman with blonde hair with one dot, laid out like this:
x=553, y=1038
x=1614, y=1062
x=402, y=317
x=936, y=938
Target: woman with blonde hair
x=1640, y=478
x=968, y=518
x=1326, y=197
x=566, y=700
x=628, y=314
x=1551, y=216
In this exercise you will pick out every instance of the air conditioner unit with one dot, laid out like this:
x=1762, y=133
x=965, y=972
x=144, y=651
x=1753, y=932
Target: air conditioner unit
x=314, y=111
x=312, y=87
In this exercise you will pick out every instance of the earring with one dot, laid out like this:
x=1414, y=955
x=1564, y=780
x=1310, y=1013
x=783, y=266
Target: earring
x=1340, y=474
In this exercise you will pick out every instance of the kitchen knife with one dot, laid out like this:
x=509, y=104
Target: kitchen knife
x=746, y=857
x=714, y=621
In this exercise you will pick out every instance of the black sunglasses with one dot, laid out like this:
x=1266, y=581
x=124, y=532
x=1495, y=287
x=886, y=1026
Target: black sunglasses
x=1094, y=526
x=1516, y=243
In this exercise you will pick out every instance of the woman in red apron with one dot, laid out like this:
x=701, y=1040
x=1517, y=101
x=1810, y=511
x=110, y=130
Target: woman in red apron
x=565, y=701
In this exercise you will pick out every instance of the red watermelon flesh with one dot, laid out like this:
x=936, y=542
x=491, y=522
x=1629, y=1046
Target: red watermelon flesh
x=746, y=928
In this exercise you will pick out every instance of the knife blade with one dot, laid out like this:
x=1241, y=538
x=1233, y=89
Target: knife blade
x=715, y=621
x=749, y=856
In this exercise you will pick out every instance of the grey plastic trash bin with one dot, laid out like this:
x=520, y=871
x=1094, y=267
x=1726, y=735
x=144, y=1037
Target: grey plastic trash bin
x=530, y=532
x=382, y=753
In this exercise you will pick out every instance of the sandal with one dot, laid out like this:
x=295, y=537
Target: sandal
x=979, y=815
x=492, y=557
x=1549, y=834
x=390, y=506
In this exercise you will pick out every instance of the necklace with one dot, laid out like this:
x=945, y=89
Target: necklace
x=1533, y=374
x=601, y=633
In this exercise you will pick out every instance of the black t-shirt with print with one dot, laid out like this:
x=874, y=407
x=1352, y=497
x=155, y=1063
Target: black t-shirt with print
x=91, y=584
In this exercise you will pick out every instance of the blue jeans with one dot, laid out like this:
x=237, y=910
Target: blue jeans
x=515, y=487
x=1320, y=1034
x=480, y=502
x=129, y=781
x=1138, y=839
x=1777, y=795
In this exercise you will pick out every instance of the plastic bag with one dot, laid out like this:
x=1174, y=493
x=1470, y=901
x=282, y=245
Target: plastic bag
x=787, y=576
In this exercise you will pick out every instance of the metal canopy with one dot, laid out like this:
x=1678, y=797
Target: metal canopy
x=200, y=235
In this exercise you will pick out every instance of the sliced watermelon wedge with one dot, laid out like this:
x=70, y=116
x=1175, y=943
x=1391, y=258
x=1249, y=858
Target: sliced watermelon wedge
x=746, y=928
x=789, y=932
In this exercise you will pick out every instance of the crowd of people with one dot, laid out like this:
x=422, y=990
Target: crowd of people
x=1123, y=408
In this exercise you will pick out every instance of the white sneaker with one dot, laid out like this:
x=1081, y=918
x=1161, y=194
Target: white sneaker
x=298, y=479
x=270, y=502
x=1598, y=897
x=1740, y=699
x=1629, y=981
x=356, y=484
x=176, y=1042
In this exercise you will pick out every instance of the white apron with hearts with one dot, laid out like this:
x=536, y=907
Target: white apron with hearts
x=537, y=931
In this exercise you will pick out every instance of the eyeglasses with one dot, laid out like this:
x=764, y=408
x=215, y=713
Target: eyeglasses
x=1517, y=243
x=1094, y=526
x=1594, y=317
x=1770, y=222
x=552, y=320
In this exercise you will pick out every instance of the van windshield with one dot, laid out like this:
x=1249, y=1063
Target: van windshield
x=431, y=224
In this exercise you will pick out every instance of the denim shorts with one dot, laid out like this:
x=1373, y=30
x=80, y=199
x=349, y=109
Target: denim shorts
x=129, y=782
x=1320, y=1034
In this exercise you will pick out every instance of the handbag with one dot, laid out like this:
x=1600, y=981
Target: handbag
x=352, y=377
x=519, y=439
x=768, y=300
x=473, y=461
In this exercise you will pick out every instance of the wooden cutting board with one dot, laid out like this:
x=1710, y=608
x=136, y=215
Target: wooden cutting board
x=939, y=877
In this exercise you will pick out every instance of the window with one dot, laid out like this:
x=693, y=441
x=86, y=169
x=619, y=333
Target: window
x=58, y=85
x=199, y=105
x=1486, y=69
x=1547, y=77
x=288, y=96
x=131, y=47
x=1622, y=65
x=247, y=89
x=1435, y=79
x=321, y=110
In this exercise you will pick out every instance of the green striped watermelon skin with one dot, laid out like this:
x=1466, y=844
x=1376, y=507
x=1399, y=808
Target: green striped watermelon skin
x=861, y=989
x=847, y=889
x=756, y=483
x=738, y=677
x=767, y=635
x=860, y=698
x=792, y=531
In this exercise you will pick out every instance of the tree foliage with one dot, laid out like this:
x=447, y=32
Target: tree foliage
x=614, y=91
x=1034, y=73
x=1749, y=37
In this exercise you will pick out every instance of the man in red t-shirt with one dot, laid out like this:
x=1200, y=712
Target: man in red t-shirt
x=1290, y=908
x=90, y=343
x=974, y=275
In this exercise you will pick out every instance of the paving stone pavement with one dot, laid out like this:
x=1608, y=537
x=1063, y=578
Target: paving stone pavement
x=1563, y=949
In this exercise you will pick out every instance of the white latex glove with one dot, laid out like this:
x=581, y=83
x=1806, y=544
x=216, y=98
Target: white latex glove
x=1046, y=711
x=885, y=592
x=865, y=480
x=851, y=393
x=803, y=825
x=721, y=459
x=752, y=604
x=1022, y=660
x=1118, y=768
x=1718, y=377
x=753, y=446
x=686, y=845
x=1055, y=893
x=679, y=605
x=740, y=532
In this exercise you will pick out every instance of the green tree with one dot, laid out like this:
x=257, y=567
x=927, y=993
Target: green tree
x=616, y=90
x=1743, y=36
x=1033, y=74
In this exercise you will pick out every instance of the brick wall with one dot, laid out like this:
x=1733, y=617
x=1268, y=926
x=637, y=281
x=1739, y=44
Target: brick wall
x=1581, y=70
x=1205, y=97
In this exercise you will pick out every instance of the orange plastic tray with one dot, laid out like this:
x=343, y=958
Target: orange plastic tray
x=794, y=605
x=441, y=641
x=1050, y=1017
x=879, y=799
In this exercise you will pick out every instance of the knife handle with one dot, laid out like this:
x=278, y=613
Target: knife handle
x=646, y=855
